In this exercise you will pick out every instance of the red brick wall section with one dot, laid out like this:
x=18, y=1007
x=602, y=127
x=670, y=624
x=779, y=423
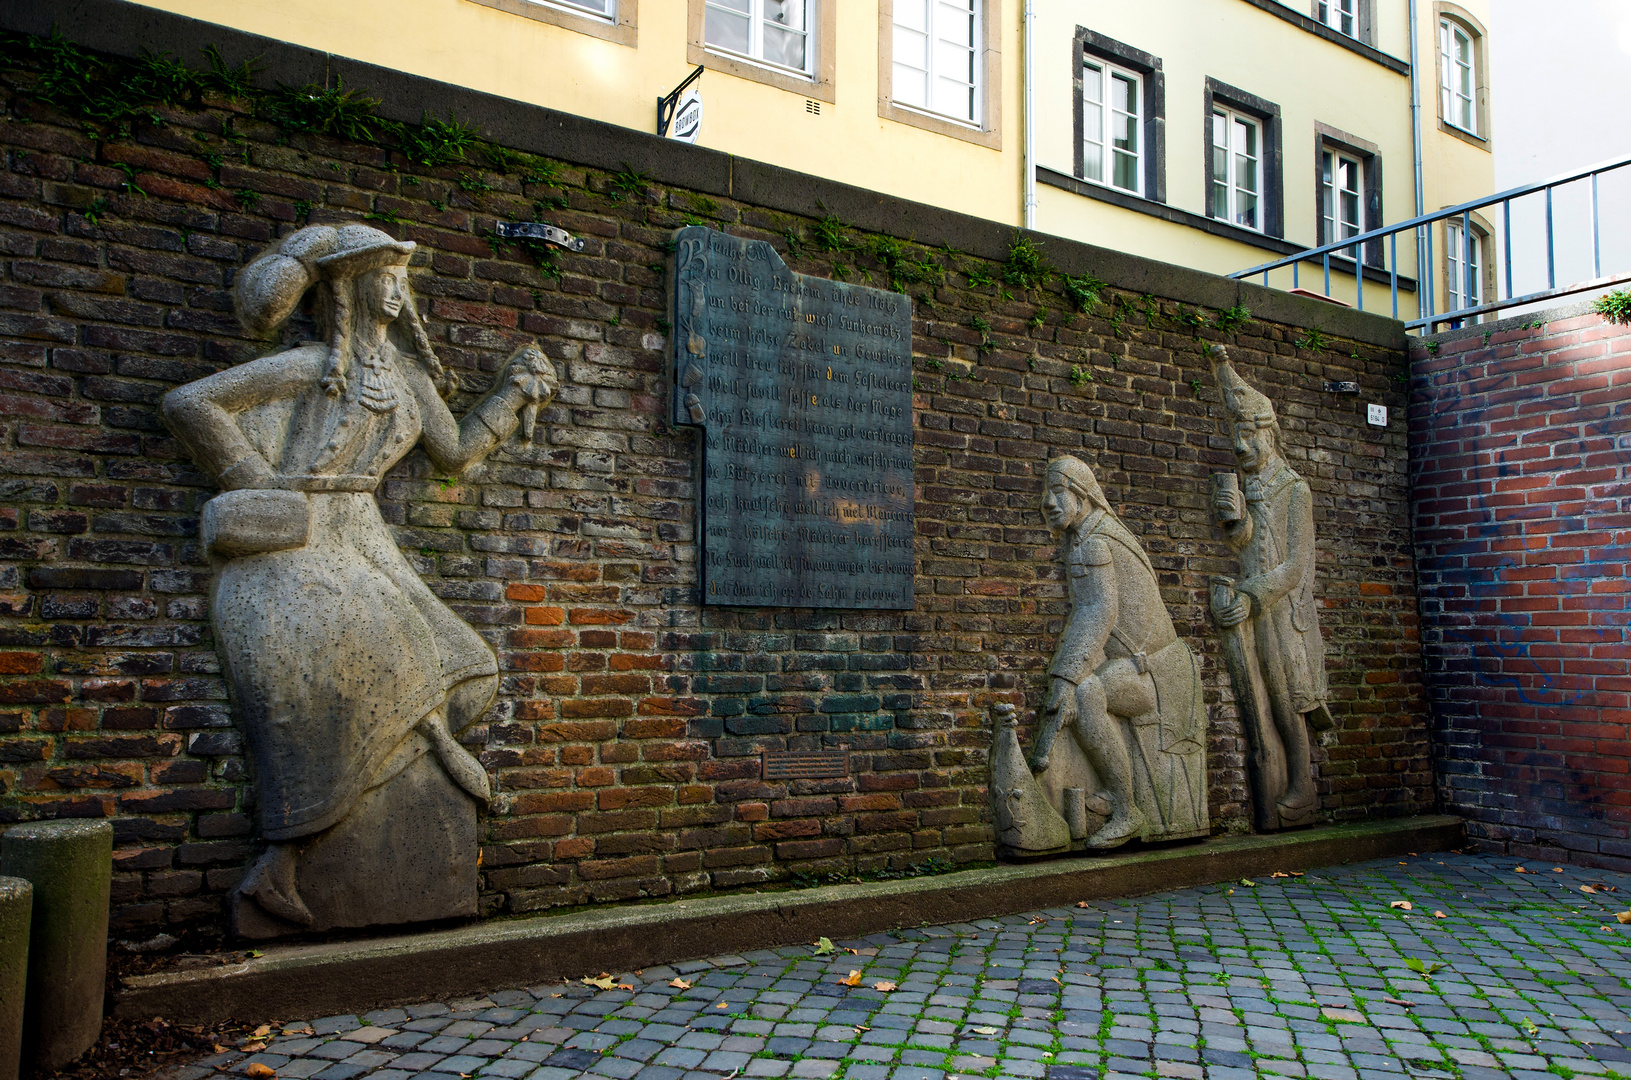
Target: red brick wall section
x=624, y=748
x=1521, y=448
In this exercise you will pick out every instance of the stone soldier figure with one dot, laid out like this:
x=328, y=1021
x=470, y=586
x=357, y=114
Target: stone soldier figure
x=1122, y=681
x=1268, y=617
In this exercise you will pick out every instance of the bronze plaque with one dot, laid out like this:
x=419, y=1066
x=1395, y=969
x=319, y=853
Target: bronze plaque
x=803, y=389
x=805, y=764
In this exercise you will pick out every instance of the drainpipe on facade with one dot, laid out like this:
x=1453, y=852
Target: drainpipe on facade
x=1030, y=121
x=1424, y=274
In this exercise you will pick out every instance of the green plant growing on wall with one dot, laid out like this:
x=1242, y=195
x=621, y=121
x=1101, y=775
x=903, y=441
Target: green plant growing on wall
x=437, y=142
x=323, y=110
x=828, y=236
x=1151, y=309
x=625, y=183
x=1025, y=268
x=978, y=276
x=1614, y=306
x=93, y=213
x=1195, y=387
x=1231, y=319
x=129, y=182
x=1083, y=291
x=899, y=265
x=1080, y=376
x=1313, y=340
x=247, y=198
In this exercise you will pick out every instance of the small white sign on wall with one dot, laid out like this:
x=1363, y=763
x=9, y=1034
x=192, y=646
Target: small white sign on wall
x=687, y=122
x=1376, y=415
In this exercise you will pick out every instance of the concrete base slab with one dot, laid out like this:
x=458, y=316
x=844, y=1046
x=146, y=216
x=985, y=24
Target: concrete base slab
x=303, y=981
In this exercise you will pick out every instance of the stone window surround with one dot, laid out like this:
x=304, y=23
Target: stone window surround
x=1307, y=22
x=1271, y=156
x=1484, y=232
x=823, y=35
x=989, y=132
x=1364, y=20
x=1369, y=154
x=1444, y=10
x=621, y=29
x=1154, y=163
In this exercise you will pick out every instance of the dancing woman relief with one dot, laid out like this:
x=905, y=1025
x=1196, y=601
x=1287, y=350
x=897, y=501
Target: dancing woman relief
x=1121, y=751
x=1267, y=618
x=350, y=679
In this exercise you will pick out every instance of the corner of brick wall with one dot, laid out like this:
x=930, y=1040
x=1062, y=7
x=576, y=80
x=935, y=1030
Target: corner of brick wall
x=625, y=744
x=1521, y=456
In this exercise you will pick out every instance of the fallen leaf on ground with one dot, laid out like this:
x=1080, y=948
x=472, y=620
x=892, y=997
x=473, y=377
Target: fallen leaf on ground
x=1231, y=892
x=853, y=980
x=1519, y=870
x=1605, y=928
x=1402, y=904
x=885, y=985
x=261, y=1032
x=723, y=1005
x=219, y=1049
x=1588, y=889
x=1422, y=968
x=303, y=1030
x=824, y=946
x=680, y=983
x=625, y=986
x=1248, y=882
x=983, y=1030
x=1400, y=1002
x=605, y=982
x=1623, y=916
x=252, y=1047
x=1440, y=915
x=1081, y=903
x=1279, y=873
x=861, y=1027
x=259, y=1070
x=1557, y=869
x=862, y=952
x=1529, y=1027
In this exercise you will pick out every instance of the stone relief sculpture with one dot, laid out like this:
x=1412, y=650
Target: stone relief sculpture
x=1123, y=688
x=1267, y=619
x=349, y=678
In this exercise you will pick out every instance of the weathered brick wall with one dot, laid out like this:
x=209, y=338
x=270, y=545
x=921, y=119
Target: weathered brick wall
x=624, y=748
x=1522, y=452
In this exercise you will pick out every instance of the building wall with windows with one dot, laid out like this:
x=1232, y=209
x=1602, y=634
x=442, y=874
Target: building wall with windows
x=924, y=100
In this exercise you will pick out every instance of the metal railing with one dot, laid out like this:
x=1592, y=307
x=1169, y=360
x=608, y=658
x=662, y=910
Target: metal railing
x=1470, y=264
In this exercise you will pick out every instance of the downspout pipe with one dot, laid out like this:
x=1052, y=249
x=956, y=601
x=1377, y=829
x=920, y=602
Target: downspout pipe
x=1030, y=117
x=1424, y=272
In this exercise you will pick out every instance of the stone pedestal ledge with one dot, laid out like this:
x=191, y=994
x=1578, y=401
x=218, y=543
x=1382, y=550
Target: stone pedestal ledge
x=294, y=981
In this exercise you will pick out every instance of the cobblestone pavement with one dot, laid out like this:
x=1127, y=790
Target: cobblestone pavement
x=1318, y=975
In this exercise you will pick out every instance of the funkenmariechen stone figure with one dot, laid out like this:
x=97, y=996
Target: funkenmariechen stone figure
x=349, y=678
x=1268, y=619
x=1123, y=685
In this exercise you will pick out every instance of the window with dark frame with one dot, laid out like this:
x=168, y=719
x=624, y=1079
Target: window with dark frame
x=1348, y=184
x=1244, y=181
x=1120, y=117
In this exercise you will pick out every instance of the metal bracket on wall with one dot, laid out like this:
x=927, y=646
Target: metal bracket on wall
x=665, y=105
x=537, y=230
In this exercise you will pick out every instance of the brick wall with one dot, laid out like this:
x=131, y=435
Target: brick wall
x=1522, y=453
x=624, y=748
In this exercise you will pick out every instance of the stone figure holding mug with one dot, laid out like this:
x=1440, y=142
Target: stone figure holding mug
x=1267, y=618
x=350, y=679
x=1123, y=692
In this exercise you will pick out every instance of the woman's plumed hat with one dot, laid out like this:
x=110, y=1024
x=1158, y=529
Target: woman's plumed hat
x=270, y=287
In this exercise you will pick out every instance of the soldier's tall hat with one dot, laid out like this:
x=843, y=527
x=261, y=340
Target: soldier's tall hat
x=1245, y=404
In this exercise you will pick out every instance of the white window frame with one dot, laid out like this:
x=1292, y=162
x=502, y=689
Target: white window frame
x=1335, y=225
x=1231, y=178
x=1454, y=73
x=936, y=12
x=581, y=7
x=756, y=27
x=1456, y=292
x=1108, y=113
x=1340, y=15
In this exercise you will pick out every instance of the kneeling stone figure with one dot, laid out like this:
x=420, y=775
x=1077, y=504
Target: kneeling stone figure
x=1122, y=683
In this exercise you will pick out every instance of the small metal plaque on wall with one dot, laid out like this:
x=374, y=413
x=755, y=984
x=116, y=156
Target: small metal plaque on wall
x=805, y=764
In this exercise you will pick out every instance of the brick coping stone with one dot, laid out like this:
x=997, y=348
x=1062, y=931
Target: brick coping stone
x=353, y=976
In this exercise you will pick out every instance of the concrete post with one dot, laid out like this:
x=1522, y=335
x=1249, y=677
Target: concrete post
x=16, y=903
x=70, y=865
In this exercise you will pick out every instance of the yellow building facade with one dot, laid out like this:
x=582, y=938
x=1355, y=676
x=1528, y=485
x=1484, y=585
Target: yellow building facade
x=1214, y=134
